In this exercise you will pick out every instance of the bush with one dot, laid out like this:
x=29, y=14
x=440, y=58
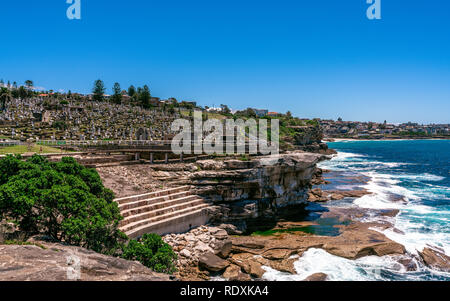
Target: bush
x=152, y=252
x=63, y=200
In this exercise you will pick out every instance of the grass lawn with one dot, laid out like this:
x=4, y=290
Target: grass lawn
x=21, y=149
x=219, y=116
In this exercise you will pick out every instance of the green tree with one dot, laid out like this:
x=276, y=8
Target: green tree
x=99, y=90
x=117, y=94
x=152, y=252
x=22, y=92
x=29, y=84
x=63, y=200
x=145, y=97
x=131, y=91
x=5, y=97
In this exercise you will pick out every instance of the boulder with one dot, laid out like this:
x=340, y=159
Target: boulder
x=316, y=277
x=255, y=269
x=436, y=259
x=249, y=264
x=212, y=262
x=234, y=273
x=231, y=229
x=223, y=248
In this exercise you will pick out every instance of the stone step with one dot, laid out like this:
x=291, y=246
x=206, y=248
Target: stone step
x=149, y=195
x=163, y=203
x=154, y=200
x=173, y=224
x=155, y=219
x=158, y=212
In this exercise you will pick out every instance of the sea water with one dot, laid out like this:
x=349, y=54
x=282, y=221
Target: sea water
x=416, y=172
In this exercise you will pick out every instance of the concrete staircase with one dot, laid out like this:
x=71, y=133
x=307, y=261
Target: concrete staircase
x=173, y=210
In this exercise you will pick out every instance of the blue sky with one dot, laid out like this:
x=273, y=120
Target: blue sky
x=315, y=58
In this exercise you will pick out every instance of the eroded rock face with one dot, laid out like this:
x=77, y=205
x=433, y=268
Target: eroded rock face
x=251, y=193
x=56, y=262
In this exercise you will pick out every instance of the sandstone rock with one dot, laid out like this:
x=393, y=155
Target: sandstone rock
x=210, y=164
x=285, y=265
x=248, y=242
x=277, y=254
x=409, y=264
x=185, y=253
x=249, y=264
x=234, y=273
x=212, y=263
x=223, y=248
x=316, y=277
x=56, y=262
x=231, y=229
x=256, y=269
x=201, y=247
x=436, y=259
x=358, y=242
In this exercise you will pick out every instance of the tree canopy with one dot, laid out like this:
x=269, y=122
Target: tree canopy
x=99, y=90
x=117, y=94
x=62, y=200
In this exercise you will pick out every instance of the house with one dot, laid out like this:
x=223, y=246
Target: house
x=273, y=114
x=260, y=112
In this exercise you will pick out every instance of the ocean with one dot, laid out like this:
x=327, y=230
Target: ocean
x=417, y=172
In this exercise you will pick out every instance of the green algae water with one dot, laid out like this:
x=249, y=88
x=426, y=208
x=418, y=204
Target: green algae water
x=324, y=227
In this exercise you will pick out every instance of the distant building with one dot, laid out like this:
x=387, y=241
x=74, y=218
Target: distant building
x=260, y=112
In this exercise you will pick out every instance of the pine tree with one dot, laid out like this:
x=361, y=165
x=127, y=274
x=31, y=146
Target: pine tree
x=99, y=90
x=131, y=91
x=117, y=96
x=144, y=97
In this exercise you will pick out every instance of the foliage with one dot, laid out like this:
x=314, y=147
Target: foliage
x=131, y=91
x=117, y=96
x=29, y=84
x=145, y=97
x=63, y=200
x=22, y=243
x=5, y=96
x=152, y=252
x=98, y=90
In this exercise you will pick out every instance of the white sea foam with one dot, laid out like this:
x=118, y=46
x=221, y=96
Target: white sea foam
x=337, y=268
x=420, y=225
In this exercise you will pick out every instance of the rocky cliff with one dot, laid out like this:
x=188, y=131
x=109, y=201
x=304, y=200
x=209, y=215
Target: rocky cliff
x=307, y=138
x=248, y=194
x=42, y=261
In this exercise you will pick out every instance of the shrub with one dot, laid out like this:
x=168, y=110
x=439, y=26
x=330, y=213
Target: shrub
x=63, y=200
x=152, y=252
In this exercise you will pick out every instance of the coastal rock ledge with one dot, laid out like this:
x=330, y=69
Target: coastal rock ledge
x=248, y=193
x=56, y=262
